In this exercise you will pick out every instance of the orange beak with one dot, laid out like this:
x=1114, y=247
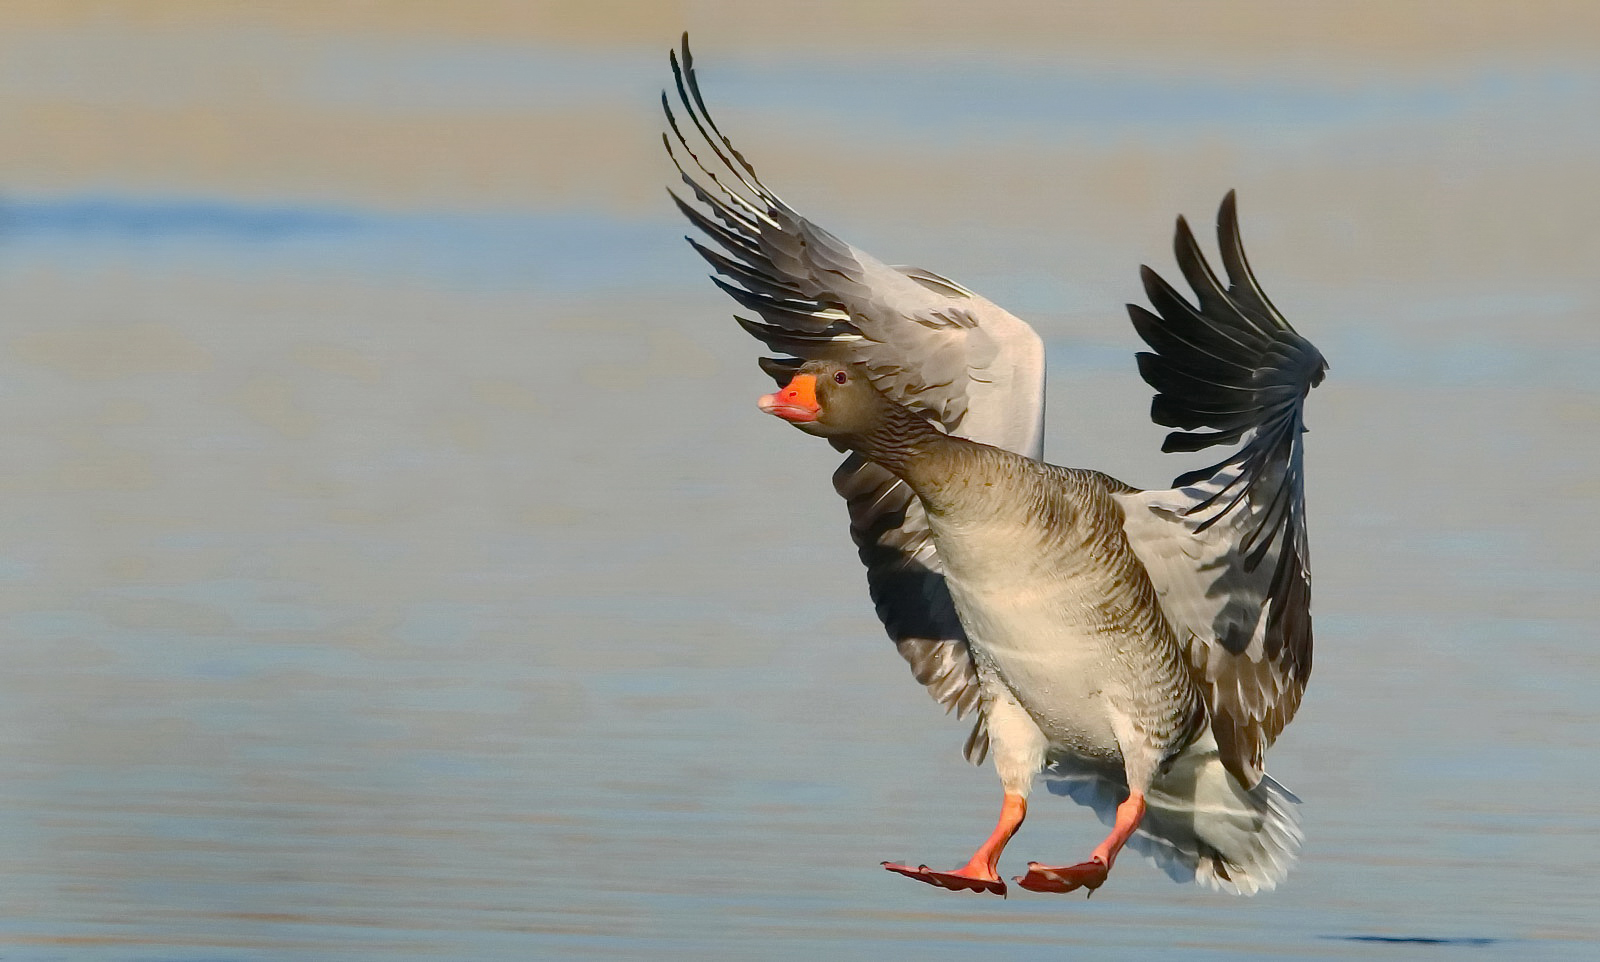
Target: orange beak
x=797, y=402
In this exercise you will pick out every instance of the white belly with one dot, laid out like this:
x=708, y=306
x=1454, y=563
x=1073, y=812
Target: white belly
x=1055, y=666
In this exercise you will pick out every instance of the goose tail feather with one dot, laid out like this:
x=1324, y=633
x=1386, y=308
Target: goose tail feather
x=1200, y=824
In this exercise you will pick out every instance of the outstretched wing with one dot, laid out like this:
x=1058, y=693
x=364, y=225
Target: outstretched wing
x=925, y=341
x=1226, y=547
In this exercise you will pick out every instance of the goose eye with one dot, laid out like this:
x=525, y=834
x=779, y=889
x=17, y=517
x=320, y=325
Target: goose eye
x=839, y=377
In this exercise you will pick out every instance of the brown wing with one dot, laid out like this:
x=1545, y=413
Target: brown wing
x=926, y=341
x=1226, y=547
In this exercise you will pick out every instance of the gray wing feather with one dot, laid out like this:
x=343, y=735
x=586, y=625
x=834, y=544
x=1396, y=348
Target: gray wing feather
x=1226, y=546
x=925, y=340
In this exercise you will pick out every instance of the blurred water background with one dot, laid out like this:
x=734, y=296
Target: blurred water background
x=393, y=563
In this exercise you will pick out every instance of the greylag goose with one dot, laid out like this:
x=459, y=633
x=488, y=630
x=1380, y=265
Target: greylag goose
x=1139, y=649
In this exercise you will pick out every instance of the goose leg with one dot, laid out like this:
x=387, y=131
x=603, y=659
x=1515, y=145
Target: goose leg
x=1091, y=874
x=979, y=874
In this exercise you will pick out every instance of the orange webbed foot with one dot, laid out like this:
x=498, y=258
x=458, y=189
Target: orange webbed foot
x=961, y=880
x=1064, y=878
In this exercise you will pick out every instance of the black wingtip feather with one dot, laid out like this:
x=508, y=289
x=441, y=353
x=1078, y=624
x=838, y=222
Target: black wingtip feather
x=753, y=278
x=1221, y=362
x=780, y=369
x=734, y=243
x=1187, y=441
x=1242, y=283
x=796, y=316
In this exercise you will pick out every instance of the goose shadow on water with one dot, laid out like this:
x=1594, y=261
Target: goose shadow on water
x=1415, y=940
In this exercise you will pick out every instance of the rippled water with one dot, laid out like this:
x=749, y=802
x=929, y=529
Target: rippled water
x=387, y=570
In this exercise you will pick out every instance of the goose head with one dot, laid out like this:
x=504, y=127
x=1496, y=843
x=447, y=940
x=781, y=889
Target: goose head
x=830, y=400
